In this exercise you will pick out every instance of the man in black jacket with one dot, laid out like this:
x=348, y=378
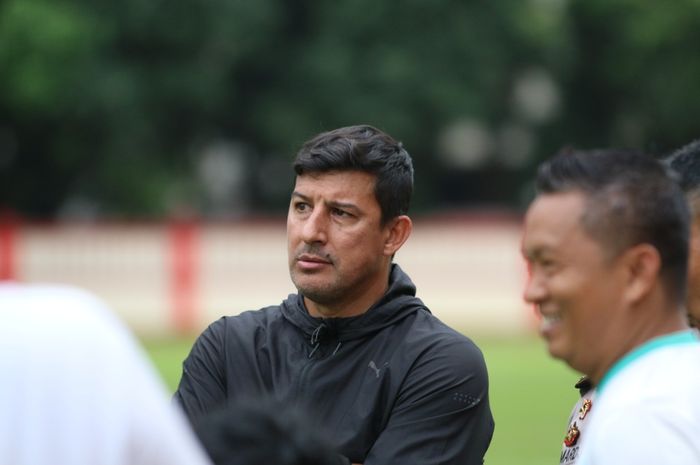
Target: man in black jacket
x=354, y=347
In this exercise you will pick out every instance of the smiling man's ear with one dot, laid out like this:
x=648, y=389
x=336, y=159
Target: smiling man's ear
x=397, y=232
x=642, y=265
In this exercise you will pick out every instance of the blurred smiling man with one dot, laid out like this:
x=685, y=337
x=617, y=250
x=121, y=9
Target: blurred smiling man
x=606, y=240
x=355, y=347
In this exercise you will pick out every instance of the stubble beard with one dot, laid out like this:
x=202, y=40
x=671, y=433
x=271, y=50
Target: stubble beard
x=312, y=285
x=326, y=294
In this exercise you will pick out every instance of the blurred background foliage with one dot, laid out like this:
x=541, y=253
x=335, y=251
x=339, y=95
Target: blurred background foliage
x=143, y=109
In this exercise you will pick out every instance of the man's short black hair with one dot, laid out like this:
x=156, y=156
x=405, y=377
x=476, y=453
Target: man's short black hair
x=630, y=199
x=363, y=148
x=685, y=163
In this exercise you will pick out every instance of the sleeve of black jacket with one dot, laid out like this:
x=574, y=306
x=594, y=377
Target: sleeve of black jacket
x=442, y=416
x=202, y=387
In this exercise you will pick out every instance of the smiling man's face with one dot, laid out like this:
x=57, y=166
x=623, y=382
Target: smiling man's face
x=572, y=283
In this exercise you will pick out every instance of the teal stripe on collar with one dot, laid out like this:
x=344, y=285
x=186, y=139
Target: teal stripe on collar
x=673, y=339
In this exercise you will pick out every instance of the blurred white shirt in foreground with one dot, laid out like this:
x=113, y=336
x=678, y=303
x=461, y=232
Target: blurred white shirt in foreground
x=77, y=389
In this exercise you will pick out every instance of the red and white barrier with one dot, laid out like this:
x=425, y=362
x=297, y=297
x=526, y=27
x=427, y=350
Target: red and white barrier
x=178, y=277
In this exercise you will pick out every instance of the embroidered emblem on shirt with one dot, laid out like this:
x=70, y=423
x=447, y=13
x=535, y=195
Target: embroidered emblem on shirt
x=572, y=436
x=585, y=408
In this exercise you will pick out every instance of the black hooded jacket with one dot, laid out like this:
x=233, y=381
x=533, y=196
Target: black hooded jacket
x=394, y=385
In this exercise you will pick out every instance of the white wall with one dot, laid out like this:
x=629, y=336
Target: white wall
x=469, y=272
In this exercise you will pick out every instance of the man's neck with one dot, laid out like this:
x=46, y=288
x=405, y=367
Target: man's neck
x=639, y=334
x=342, y=310
x=353, y=304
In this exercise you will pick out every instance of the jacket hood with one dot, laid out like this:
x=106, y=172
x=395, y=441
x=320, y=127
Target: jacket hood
x=397, y=303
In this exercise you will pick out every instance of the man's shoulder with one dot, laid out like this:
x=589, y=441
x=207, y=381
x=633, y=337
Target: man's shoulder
x=441, y=359
x=434, y=339
x=665, y=386
x=668, y=371
x=428, y=325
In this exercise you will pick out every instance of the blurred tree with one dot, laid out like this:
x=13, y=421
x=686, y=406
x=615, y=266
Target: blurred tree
x=137, y=108
x=631, y=82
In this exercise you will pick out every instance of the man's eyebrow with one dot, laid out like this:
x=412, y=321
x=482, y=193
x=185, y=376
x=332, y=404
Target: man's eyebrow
x=331, y=203
x=344, y=205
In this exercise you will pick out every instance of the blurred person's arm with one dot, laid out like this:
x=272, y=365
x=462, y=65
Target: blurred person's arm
x=78, y=388
x=160, y=433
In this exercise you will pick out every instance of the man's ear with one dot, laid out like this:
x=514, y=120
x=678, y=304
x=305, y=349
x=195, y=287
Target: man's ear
x=397, y=232
x=642, y=265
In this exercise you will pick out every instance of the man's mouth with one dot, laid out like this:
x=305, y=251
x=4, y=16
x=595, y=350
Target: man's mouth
x=311, y=262
x=305, y=257
x=549, y=322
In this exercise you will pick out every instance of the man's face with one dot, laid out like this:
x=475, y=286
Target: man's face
x=335, y=240
x=693, y=301
x=574, y=286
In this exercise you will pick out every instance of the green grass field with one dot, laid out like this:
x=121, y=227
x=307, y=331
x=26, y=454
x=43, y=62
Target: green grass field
x=531, y=395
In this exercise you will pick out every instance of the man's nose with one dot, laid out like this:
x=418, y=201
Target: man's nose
x=315, y=227
x=535, y=290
